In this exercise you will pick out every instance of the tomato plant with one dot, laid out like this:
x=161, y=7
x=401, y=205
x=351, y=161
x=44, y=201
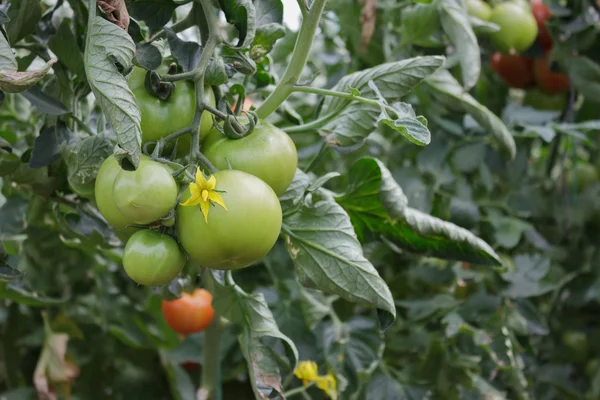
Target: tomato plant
x=267, y=153
x=325, y=199
x=518, y=27
x=515, y=70
x=191, y=313
x=151, y=258
x=236, y=237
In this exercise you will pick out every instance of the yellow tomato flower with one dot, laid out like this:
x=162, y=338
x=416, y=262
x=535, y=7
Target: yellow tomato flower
x=327, y=384
x=307, y=371
x=203, y=192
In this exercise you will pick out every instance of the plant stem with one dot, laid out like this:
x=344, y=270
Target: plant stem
x=81, y=124
x=298, y=390
x=303, y=8
x=211, y=367
x=299, y=57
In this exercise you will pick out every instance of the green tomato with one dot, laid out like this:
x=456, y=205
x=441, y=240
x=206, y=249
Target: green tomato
x=105, y=197
x=479, y=9
x=267, y=153
x=160, y=118
x=152, y=259
x=544, y=101
x=518, y=28
x=146, y=194
x=582, y=176
x=576, y=344
x=239, y=236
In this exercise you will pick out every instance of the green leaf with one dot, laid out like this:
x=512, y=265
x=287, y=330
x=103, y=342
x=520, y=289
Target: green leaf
x=383, y=387
x=107, y=42
x=17, y=82
x=187, y=53
x=352, y=126
x=444, y=85
x=418, y=24
x=156, y=13
x=83, y=159
x=266, y=37
x=44, y=102
x=585, y=76
x=65, y=46
x=242, y=15
x=328, y=256
x=428, y=308
x=394, y=80
x=377, y=205
x=258, y=324
x=455, y=22
x=24, y=16
x=16, y=293
x=526, y=279
x=427, y=235
x=8, y=62
x=12, y=217
x=8, y=273
x=180, y=382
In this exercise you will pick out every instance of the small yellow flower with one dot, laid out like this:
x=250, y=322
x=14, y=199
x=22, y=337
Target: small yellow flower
x=327, y=384
x=307, y=371
x=203, y=192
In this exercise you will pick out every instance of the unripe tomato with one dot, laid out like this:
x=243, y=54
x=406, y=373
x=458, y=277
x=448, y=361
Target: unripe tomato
x=152, y=259
x=239, y=236
x=548, y=80
x=479, y=9
x=582, y=176
x=163, y=117
x=190, y=313
x=518, y=28
x=267, y=153
x=542, y=13
x=515, y=70
x=146, y=194
x=544, y=101
x=105, y=199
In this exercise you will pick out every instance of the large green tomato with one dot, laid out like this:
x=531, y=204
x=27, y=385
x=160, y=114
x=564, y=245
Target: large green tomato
x=163, y=117
x=104, y=195
x=267, y=152
x=479, y=9
x=239, y=236
x=146, y=194
x=544, y=101
x=152, y=259
x=518, y=27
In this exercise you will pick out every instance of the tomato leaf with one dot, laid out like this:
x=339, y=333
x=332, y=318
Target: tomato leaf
x=24, y=16
x=377, y=205
x=242, y=15
x=585, y=76
x=83, y=159
x=15, y=292
x=445, y=86
x=8, y=62
x=65, y=46
x=419, y=23
x=16, y=82
x=187, y=53
x=258, y=324
x=328, y=256
x=156, y=13
x=455, y=22
x=12, y=217
x=44, y=102
x=107, y=43
x=269, y=19
x=383, y=386
x=46, y=148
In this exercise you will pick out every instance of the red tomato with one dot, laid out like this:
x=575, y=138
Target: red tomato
x=190, y=313
x=542, y=13
x=548, y=80
x=515, y=70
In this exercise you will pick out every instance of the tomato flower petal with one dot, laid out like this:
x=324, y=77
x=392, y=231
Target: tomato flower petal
x=217, y=199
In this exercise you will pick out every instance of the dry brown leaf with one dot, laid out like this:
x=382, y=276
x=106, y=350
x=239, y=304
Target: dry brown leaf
x=367, y=20
x=17, y=82
x=52, y=368
x=116, y=11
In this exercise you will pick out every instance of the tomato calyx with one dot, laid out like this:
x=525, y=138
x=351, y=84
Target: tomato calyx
x=157, y=87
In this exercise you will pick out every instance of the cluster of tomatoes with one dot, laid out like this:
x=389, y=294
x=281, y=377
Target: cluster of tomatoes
x=226, y=221
x=521, y=23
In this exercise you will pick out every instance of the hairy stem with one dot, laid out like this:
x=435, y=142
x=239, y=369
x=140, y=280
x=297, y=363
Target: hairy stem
x=299, y=57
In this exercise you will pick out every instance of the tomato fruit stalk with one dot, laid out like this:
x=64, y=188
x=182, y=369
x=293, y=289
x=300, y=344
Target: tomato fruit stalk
x=189, y=314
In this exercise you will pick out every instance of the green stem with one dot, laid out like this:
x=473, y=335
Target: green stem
x=299, y=57
x=81, y=124
x=298, y=390
x=211, y=368
x=342, y=95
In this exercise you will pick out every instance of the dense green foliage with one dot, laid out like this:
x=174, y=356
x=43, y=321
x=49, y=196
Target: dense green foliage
x=439, y=238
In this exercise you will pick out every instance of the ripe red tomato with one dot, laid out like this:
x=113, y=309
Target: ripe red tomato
x=548, y=80
x=542, y=13
x=190, y=313
x=515, y=70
